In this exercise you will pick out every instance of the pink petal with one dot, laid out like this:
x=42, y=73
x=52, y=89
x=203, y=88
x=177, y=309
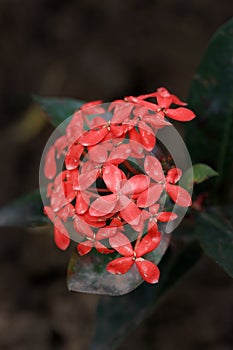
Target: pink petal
x=60, y=144
x=156, y=120
x=121, y=112
x=119, y=154
x=82, y=227
x=136, y=184
x=121, y=244
x=130, y=213
x=62, y=241
x=106, y=232
x=84, y=248
x=82, y=203
x=98, y=154
x=86, y=179
x=102, y=249
x=147, y=136
x=50, y=167
x=154, y=168
x=92, y=137
x=166, y=216
x=180, y=114
x=148, y=243
x=73, y=156
x=149, y=271
x=174, y=175
x=103, y=205
x=150, y=196
x=75, y=128
x=120, y=266
x=154, y=209
x=112, y=177
x=65, y=212
x=179, y=195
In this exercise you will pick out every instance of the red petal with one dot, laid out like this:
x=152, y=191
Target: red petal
x=73, y=156
x=174, y=175
x=82, y=203
x=84, y=248
x=149, y=271
x=50, y=167
x=148, y=243
x=153, y=228
x=103, y=205
x=98, y=154
x=154, y=168
x=177, y=101
x=102, y=249
x=166, y=216
x=82, y=227
x=147, y=136
x=150, y=196
x=136, y=184
x=92, y=137
x=112, y=177
x=122, y=244
x=179, y=195
x=120, y=266
x=130, y=212
x=62, y=241
x=135, y=142
x=69, y=192
x=180, y=114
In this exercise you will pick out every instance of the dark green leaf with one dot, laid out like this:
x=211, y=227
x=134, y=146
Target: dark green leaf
x=116, y=317
x=58, y=109
x=88, y=273
x=210, y=135
x=199, y=173
x=215, y=233
x=25, y=211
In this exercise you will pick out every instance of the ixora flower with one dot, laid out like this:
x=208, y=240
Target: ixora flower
x=107, y=186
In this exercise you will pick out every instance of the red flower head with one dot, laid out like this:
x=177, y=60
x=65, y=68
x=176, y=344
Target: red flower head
x=111, y=186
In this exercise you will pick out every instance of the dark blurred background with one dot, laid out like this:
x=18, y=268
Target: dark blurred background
x=94, y=49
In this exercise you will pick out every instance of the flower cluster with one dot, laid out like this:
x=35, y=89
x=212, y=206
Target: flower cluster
x=112, y=188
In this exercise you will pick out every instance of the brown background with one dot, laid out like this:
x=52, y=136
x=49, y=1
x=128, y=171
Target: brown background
x=94, y=49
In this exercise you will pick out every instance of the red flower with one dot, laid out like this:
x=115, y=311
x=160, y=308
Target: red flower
x=93, y=239
x=178, y=194
x=148, y=270
x=119, y=200
x=164, y=99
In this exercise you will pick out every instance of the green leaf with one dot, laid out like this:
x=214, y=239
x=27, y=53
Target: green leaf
x=58, y=109
x=116, y=317
x=215, y=233
x=197, y=174
x=25, y=211
x=88, y=273
x=210, y=136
